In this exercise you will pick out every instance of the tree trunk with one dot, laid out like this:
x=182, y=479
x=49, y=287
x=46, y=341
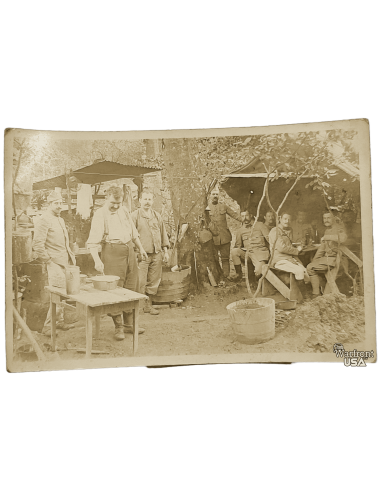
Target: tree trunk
x=184, y=180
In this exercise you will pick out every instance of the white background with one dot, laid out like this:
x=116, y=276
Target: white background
x=180, y=435
x=190, y=56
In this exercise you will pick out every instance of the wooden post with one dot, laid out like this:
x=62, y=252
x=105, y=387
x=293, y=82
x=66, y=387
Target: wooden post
x=28, y=333
x=68, y=193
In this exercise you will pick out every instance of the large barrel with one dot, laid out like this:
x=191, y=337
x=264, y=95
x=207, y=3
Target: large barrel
x=253, y=320
x=174, y=285
x=21, y=246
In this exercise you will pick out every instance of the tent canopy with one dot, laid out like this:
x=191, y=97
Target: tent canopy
x=98, y=172
x=245, y=186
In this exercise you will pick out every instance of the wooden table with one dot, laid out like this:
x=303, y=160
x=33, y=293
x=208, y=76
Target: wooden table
x=93, y=303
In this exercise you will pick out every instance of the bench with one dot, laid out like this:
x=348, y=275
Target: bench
x=291, y=292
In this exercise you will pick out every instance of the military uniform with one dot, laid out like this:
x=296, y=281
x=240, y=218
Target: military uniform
x=255, y=241
x=285, y=254
x=223, y=239
x=326, y=254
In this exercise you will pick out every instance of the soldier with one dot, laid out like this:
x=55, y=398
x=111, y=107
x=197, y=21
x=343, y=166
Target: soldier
x=112, y=227
x=255, y=241
x=222, y=240
x=51, y=246
x=154, y=239
x=285, y=255
x=326, y=254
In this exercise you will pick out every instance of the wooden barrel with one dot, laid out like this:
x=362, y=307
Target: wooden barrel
x=253, y=320
x=21, y=246
x=174, y=285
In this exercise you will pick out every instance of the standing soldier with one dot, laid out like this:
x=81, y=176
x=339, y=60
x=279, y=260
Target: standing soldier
x=51, y=246
x=222, y=241
x=113, y=228
x=153, y=236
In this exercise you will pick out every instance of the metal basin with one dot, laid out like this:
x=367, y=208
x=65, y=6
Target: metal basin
x=105, y=282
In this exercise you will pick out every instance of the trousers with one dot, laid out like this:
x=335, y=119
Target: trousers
x=150, y=273
x=56, y=278
x=224, y=250
x=320, y=265
x=238, y=254
x=296, y=268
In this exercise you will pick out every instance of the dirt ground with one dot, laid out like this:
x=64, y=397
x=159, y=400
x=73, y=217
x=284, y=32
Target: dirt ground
x=201, y=326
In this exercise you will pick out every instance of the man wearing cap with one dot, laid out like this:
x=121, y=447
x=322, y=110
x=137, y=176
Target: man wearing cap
x=223, y=238
x=255, y=241
x=154, y=239
x=325, y=257
x=113, y=229
x=51, y=246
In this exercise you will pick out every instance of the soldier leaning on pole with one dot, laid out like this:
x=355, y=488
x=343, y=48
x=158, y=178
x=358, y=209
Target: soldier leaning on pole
x=112, y=227
x=51, y=246
x=223, y=239
x=153, y=236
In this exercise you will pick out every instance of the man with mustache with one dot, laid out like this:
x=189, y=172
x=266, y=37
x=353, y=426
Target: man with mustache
x=223, y=238
x=153, y=236
x=112, y=227
x=51, y=246
x=325, y=257
x=285, y=255
x=255, y=241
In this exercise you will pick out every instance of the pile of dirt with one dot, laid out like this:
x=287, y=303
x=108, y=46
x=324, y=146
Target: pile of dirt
x=330, y=319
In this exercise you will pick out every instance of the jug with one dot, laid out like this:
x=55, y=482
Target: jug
x=72, y=279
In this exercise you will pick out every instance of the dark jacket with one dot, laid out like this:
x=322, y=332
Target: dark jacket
x=218, y=217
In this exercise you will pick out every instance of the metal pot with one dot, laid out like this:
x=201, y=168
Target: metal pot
x=105, y=282
x=286, y=305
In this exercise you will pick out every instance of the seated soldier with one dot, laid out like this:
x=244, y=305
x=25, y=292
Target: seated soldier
x=255, y=241
x=285, y=255
x=300, y=228
x=325, y=257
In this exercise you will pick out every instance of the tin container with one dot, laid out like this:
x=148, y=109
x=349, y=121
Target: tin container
x=72, y=280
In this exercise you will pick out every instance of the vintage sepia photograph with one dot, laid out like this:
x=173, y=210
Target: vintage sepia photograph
x=189, y=247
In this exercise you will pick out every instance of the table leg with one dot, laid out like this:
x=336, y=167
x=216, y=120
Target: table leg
x=89, y=331
x=135, y=327
x=53, y=311
x=97, y=324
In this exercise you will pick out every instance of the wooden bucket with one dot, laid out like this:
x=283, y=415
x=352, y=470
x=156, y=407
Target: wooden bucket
x=253, y=325
x=21, y=246
x=174, y=285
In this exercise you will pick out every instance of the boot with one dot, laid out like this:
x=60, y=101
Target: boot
x=148, y=308
x=128, y=324
x=119, y=331
x=226, y=268
x=303, y=290
x=315, y=282
x=238, y=275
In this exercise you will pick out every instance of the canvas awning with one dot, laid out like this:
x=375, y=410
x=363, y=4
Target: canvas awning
x=98, y=172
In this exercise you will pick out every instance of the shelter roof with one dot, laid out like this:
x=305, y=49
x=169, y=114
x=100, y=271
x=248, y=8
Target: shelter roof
x=98, y=172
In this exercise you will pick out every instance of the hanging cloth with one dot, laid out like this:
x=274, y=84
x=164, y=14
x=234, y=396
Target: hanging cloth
x=84, y=200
